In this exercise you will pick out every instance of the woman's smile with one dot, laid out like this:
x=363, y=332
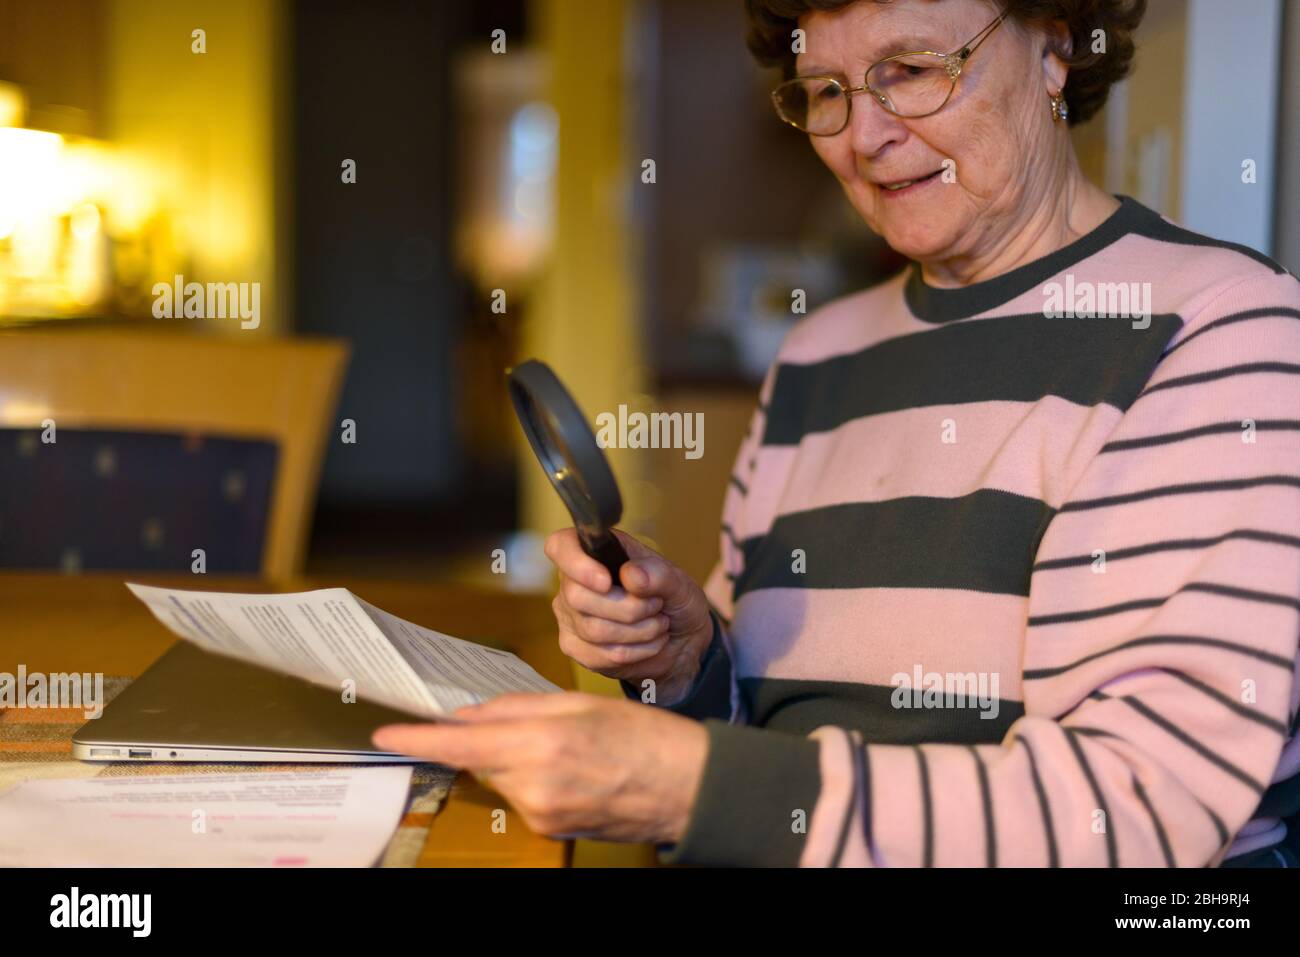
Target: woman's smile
x=896, y=189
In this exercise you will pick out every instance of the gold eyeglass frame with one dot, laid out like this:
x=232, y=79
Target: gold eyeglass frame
x=953, y=62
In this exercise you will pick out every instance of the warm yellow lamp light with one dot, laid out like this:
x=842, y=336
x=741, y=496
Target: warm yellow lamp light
x=13, y=105
x=28, y=171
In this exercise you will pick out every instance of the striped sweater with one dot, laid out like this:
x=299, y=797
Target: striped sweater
x=1003, y=584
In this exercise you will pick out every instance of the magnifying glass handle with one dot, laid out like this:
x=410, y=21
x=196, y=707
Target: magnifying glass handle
x=607, y=550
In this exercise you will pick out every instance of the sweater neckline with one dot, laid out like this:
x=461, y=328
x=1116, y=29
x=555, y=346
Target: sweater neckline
x=937, y=304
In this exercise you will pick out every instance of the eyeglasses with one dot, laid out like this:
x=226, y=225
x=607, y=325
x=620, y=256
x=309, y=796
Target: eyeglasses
x=909, y=85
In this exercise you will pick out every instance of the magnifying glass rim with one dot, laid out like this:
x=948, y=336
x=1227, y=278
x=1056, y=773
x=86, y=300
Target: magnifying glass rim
x=533, y=382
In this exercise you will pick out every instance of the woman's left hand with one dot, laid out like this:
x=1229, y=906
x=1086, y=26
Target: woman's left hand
x=573, y=765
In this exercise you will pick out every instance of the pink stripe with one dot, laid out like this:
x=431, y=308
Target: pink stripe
x=869, y=635
x=896, y=822
x=1268, y=566
x=1209, y=458
x=1256, y=566
x=827, y=822
x=956, y=806
x=1034, y=449
x=850, y=324
x=1182, y=613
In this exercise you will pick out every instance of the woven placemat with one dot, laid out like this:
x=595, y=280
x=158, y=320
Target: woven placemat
x=37, y=743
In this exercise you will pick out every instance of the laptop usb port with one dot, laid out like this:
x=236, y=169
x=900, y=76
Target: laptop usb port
x=136, y=753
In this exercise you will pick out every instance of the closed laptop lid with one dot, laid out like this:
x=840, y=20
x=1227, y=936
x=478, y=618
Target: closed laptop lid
x=192, y=698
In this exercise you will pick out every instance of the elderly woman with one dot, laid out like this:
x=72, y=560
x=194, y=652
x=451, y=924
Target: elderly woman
x=1011, y=553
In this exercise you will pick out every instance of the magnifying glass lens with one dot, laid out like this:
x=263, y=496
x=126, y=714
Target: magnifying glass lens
x=564, y=444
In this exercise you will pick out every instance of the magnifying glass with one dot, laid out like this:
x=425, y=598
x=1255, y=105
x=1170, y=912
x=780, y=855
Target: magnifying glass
x=567, y=448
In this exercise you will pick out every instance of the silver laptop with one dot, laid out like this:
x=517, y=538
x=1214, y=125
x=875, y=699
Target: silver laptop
x=192, y=705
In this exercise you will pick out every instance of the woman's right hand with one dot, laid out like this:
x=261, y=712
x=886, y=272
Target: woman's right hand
x=653, y=624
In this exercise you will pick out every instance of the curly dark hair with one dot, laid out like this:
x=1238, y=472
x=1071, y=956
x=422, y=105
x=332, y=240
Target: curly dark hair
x=1091, y=74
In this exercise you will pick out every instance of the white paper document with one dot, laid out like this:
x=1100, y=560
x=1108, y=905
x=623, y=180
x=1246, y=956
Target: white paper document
x=332, y=638
x=335, y=817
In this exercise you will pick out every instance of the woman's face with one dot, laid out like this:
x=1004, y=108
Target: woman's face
x=996, y=129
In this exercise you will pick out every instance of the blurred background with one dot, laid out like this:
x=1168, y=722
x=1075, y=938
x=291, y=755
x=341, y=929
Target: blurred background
x=426, y=193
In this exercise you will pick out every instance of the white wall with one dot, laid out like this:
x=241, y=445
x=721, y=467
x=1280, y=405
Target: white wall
x=1231, y=109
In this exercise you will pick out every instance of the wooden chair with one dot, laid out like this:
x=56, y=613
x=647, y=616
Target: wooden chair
x=281, y=391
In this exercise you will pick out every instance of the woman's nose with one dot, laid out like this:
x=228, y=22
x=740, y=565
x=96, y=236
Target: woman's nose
x=871, y=126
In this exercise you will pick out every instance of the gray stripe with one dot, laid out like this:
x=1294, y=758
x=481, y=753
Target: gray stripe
x=1186, y=488
x=982, y=541
x=1172, y=545
x=1233, y=705
x=1155, y=822
x=1038, y=674
x=864, y=776
x=986, y=802
x=1214, y=818
x=842, y=841
x=1008, y=358
x=1267, y=312
x=927, y=809
x=801, y=706
x=1112, y=852
x=1225, y=591
x=1219, y=762
x=1044, y=807
x=1219, y=428
x=1228, y=372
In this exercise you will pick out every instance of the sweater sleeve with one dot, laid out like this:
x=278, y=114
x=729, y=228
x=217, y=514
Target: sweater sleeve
x=1158, y=673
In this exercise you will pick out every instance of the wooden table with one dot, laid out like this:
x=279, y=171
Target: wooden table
x=93, y=623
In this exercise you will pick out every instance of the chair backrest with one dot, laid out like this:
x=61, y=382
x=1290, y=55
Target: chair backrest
x=229, y=397
x=113, y=500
